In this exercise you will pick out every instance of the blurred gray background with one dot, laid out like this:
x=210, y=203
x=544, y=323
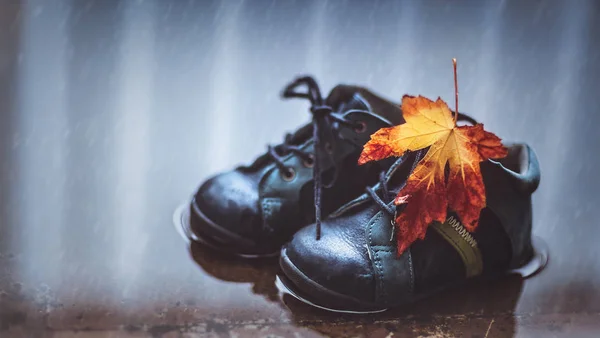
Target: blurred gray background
x=112, y=112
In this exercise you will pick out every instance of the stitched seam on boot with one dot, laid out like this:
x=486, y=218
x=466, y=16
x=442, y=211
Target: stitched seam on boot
x=411, y=271
x=377, y=260
x=268, y=204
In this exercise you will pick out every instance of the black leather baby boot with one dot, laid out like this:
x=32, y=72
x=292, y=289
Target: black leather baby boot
x=355, y=266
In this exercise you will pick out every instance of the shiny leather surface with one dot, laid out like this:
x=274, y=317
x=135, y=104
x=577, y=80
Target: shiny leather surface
x=339, y=261
x=231, y=201
x=113, y=112
x=395, y=276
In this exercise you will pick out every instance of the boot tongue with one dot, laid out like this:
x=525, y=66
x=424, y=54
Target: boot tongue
x=345, y=97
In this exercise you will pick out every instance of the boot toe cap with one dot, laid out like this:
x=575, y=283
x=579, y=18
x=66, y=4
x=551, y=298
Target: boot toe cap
x=335, y=263
x=229, y=202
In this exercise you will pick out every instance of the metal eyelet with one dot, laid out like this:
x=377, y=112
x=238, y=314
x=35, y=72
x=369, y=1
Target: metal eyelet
x=288, y=174
x=309, y=162
x=360, y=127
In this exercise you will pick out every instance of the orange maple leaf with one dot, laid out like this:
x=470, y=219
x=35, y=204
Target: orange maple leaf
x=428, y=194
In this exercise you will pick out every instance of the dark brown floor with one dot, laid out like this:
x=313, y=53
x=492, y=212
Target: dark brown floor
x=112, y=112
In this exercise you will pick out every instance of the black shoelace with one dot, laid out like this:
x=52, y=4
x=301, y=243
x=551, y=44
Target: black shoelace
x=382, y=186
x=325, y=124
x=382, y=202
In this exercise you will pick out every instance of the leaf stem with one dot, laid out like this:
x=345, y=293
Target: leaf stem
x=455, y=91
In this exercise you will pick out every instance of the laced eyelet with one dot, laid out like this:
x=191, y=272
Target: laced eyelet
x=360, y=127
x=328, y=148
x=288, y=174
x=309, y=162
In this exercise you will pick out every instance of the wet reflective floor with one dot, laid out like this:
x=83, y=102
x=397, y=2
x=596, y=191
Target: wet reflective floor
x=112, y=113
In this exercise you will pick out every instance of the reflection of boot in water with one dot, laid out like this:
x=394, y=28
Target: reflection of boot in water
x=473, y=310
x=260, y=273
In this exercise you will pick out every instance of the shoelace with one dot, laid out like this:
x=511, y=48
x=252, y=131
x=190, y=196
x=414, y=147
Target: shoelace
x=383, y=203
x=324, y=122
x=386, y=195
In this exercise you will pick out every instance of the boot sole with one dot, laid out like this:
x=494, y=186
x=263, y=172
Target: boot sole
x=219, y=239
x=296, y=284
